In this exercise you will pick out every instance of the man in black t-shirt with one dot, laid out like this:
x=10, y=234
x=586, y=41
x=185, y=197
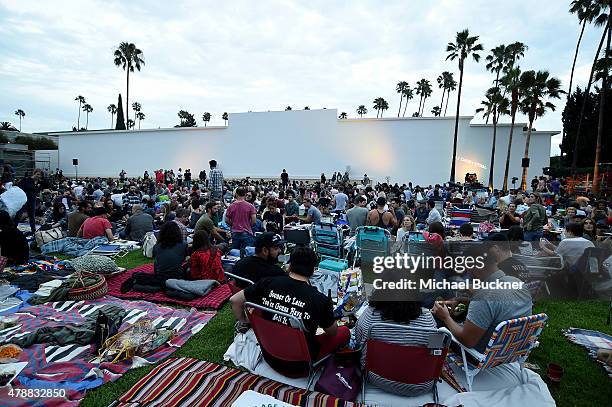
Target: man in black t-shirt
x=263, y=263
x=503, y=254
x=294, y=295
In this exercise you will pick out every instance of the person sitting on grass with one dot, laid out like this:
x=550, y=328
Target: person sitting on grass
x=263, y=263
x=13, y=244
x=56, y=216
x=97, y=226
x=206, y=223
x=295, y=292
x=169, y=252
x=205, y=259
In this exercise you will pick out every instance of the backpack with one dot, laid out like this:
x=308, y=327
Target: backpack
x=148, y=242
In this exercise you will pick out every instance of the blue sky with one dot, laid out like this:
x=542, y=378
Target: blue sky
x=237, y=56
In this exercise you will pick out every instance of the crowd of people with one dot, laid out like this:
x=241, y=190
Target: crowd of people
x=200, y=219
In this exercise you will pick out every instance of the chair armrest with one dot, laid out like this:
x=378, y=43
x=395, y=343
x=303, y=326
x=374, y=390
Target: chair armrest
x=473, y=352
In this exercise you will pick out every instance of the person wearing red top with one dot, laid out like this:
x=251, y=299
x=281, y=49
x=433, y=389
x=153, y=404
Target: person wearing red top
x=97, y=225
x=205, y=260
x=241, y=216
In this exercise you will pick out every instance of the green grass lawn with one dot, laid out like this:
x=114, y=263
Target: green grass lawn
x=584, y=382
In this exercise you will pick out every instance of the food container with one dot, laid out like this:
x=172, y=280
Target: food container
x=10, y=353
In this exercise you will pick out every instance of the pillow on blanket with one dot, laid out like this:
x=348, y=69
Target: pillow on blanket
x=93, y=263
x=196, y=287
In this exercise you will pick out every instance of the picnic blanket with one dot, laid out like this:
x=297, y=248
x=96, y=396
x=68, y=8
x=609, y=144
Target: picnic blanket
x=72, y=367
x=213, y=300
x=592, y=340
x=193, y=382
x=72, y=246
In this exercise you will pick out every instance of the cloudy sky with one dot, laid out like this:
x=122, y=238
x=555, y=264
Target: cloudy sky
x=237, y=56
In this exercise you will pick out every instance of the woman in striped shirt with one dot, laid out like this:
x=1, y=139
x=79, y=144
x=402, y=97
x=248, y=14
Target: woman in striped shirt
x=409, y=313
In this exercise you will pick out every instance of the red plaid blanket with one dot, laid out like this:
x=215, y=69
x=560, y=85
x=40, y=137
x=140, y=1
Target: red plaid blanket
x=213, y=300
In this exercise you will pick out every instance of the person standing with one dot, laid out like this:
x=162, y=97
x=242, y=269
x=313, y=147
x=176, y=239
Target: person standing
x=187, y=177
x=30, y=186
x=534, y=218
x=215, y=182
x=284, y=178
x=241, y=216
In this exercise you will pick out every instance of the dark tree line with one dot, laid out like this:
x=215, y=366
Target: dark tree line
x=588, y=136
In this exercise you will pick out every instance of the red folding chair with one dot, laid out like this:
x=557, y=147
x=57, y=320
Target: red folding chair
x=231, y=281
x=283, y=342
x=407, y=364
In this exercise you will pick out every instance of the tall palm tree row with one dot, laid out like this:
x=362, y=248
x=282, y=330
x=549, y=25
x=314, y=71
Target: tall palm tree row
x=536, y=88
x=599, y=15
x=21, y=114
x=112, y=109
x=140, y=116
x=494, y=105
x=603, y=72
x=423, y=89
x=401, y=88
x=409, y=95
x=128, y=57
x=81, y=101
x=361, y=110
x=87, y=109
x=464, y=46
x=380, y=105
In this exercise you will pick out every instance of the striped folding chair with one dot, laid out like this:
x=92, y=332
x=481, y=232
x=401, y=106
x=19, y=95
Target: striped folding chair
x=459, y=216
x=512, y=341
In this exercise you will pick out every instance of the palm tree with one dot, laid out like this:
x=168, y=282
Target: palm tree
x=306, y=108
x=287, y=108
x=343, y=115
x=136, y=107
x=409, y=95
x=436, y=111
x=380, y=105
x=603, y=68
x=140, y=116
x=423, y=89
x=225, y=117
x=21, y=114
x=401, y=88
x=587, y=11
x=600, y=7
x=510, y=82
x=87, y=109
x=494, y=105
x=206, y=118
x=449, y=86
x=496, y=61
x=128, y=57
x=463, y=46
x=112, y=109
x=7, y=126
x=361, y=110
x=81, y=101
x=130, y=124
x=442, y=81
x=537, y=88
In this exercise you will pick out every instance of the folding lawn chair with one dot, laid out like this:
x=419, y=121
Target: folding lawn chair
x=371, y=241
x=328, y=240
x=541, y=268
x=231, y=281
x=283, y=342
x=407, y=364
x=512, y=341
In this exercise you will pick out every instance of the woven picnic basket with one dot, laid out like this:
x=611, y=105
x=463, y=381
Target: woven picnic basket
x=95, y=287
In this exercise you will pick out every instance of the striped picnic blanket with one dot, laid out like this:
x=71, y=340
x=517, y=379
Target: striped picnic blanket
x=71, y=366
x=593, y=341
x=213, y=300
x=193, y=382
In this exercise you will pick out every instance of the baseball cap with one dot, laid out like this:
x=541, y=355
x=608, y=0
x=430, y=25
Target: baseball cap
x=268, y=239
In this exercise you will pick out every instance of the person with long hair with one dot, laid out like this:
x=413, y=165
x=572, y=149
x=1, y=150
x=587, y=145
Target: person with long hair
x=56, y=216
x=205, y=259
x=13, y=244
x=169, y=252
x=408, y=313
x=590, y=229
x=534, y=218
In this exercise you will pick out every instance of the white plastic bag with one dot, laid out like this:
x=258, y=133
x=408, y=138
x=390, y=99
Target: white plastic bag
x=13, y=199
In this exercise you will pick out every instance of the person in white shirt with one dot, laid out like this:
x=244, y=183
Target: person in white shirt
x=434, y=214
x=340, y=200
x=572, y=247
x=78, y=191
